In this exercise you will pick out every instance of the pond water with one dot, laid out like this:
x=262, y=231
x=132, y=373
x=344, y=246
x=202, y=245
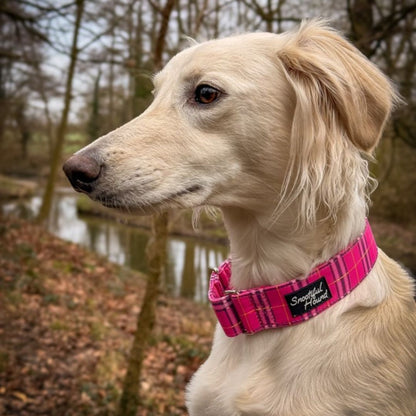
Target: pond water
x=189, y=260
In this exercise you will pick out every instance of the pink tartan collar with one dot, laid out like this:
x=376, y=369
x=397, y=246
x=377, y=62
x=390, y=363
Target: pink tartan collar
x=253, y=310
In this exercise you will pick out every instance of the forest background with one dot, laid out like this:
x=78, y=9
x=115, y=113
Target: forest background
x=71, y=71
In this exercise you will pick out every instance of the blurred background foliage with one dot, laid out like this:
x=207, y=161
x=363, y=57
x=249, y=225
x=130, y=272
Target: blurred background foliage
x=116, y=48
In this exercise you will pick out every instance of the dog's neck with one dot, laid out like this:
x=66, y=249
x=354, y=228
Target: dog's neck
x=269, y=254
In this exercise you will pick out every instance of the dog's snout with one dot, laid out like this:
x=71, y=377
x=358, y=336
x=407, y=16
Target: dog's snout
x=82, y=171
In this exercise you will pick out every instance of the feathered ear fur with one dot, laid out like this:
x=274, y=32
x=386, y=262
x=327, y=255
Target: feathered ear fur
x=341, y=104
x=327, y=71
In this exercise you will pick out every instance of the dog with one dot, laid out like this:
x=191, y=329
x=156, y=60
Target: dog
x=276, y=131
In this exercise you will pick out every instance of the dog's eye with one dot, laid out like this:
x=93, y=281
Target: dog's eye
x=205, y=94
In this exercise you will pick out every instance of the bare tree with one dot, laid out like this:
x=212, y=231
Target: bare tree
x=60, y=138
x=94, y=122
x=156, y=258
x=18, y=26
x=23, y=125
x=385, y=31
x=270, y=13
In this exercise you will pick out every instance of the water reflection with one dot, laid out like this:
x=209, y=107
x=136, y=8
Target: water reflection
x=189, y=260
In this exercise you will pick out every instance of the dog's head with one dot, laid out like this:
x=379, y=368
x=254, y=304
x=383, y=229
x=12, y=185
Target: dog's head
x=255, y=121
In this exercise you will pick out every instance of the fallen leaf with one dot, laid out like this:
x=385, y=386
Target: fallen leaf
x=21, y=396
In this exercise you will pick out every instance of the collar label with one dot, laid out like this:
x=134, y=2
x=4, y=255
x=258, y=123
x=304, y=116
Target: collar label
x=309, y=297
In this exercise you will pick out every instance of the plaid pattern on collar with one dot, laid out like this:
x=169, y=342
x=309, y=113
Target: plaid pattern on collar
x=253, y=310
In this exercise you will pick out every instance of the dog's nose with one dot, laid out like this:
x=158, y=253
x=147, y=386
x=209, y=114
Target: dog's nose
x=82, y=171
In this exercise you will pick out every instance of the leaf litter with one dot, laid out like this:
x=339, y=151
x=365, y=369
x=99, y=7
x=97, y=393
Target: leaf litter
x=67, y=319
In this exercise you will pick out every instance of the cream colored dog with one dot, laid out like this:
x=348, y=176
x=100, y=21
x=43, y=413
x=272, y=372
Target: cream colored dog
x=274, y=130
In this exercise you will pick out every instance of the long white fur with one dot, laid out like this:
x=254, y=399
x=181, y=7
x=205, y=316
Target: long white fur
x=284, y=154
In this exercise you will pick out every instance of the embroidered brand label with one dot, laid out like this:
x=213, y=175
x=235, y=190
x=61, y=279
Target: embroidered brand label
x=309, y=297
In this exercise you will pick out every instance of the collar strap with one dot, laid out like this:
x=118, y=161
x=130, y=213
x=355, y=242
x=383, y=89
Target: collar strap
x=253, y=310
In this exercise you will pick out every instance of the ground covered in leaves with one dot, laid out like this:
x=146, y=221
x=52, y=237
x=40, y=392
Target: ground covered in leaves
x=66, y=322
x=67, y=319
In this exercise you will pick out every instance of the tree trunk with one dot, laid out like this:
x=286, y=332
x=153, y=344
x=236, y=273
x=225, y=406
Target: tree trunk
x=48, y=117
x=60, y=138
x=23, y=127
x=156, y=258
x=3, y=102
x=94, y=123
x=111, y=124
x=161, y=38
x=156, y=254
x=360, y=14
x=138, y=61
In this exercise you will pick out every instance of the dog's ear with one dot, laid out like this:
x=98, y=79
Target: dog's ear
x=335, y=83
x=340, y=104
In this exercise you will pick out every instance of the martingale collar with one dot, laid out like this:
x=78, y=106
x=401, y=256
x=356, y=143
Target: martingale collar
x=253, y=310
